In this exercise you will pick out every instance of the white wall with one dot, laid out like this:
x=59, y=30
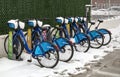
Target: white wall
x=2, y=52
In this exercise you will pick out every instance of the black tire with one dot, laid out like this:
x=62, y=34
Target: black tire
x=17, y=46
x=66, y=52
x=98, y=41
x=84, y=45
x=45, y=61
x=107, y=37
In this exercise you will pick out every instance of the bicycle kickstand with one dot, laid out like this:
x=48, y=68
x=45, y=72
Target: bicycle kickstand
x=30, y=60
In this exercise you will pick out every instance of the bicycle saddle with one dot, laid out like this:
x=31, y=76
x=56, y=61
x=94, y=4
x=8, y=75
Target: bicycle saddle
x=100, y=21
x=92, y=23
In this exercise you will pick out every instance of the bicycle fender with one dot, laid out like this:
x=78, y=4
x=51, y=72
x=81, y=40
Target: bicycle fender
x=93, y=34
x=43, y=47
x=61, y=42
x=104, y=31
x=78, y=37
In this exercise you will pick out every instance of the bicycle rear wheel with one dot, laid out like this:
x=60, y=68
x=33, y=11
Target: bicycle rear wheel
x=66, y=53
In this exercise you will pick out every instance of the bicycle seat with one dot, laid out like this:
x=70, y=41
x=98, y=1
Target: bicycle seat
x=66, y=21
x=39, y=23
x=100, y=21
x=60, y=20
x=76, y=19
x=46, y=26
x=92, y=23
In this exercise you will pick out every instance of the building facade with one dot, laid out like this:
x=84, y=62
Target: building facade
x=105, y=3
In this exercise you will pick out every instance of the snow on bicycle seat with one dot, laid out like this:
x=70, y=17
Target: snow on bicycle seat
x=60, y=19
x=76, y=19
x=40, y=23
x=45, y=26
x=66, y=21
x=83, y=18
x=21, y=25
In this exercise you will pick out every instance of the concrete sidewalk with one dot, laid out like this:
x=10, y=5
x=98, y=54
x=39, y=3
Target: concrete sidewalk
x=108, y=67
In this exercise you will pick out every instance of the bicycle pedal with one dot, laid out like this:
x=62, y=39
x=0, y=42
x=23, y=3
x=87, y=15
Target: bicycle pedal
x=29, y=60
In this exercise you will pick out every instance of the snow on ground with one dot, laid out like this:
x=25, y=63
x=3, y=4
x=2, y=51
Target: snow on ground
x=11, y=68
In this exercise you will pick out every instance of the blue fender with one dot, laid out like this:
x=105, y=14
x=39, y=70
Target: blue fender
x=43, y=47
x=61, y=42
x=79, y=37
x=104, y=31
x=93, y=34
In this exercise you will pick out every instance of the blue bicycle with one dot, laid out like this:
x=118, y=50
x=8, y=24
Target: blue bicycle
x=107, y=34
x=65, y=46
x=96, y=37
x=45, y=52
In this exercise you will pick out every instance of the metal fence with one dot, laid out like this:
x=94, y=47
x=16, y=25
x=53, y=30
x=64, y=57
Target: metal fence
x=22, y=9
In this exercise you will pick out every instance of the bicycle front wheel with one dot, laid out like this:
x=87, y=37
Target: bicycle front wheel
x=107, y=36
x=84, y=45
x=49, y=59
x=97, y=41
x=66, y=53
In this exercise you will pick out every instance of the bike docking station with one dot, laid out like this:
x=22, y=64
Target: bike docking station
x=29, y=36
x=10, y=45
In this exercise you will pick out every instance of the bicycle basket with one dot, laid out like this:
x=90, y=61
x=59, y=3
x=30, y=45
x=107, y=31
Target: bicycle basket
x=12, y=24
x=60, y=19
x=32, y=23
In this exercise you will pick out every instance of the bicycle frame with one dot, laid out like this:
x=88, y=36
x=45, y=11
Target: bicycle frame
x=78, y=36
x=60, y=42
x=44, y=46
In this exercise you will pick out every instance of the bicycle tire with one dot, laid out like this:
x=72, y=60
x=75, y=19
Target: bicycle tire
x=46, y=63
x=67, y=54
x=84, y=45
x=107, y=36
x=98, y=41
x=15, y=51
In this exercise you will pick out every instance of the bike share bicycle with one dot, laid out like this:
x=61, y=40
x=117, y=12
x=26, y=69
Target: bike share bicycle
x=96, y=37
x=107, y=34
x=79, y=38
x=45, y=52
x=65, y=46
